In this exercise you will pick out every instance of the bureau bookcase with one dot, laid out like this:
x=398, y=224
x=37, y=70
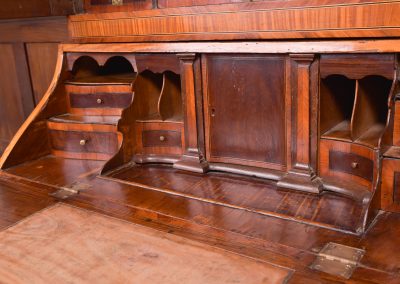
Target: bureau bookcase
x=316, y=122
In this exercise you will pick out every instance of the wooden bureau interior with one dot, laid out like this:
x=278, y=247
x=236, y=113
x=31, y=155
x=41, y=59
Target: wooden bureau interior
x=245, y=124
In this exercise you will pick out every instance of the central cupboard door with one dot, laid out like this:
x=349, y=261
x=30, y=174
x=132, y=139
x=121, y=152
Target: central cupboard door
x=245, y=110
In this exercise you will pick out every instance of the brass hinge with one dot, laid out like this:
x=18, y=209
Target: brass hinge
x=69, y=191
x=117, y=2
x=338, y=260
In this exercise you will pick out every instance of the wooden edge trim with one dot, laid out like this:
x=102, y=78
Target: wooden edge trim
x=38, y=109
x=272, y=47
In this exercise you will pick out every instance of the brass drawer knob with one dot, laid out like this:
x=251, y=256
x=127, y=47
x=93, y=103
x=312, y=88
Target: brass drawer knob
x=99, y=101
x=83, y=142
x=162, y=138
x=354, y=165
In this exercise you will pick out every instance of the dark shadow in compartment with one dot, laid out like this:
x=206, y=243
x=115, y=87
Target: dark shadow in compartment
x=170, y=103
x=147, y=90
x=337, y=97
x=117, y=70
x=371, y=110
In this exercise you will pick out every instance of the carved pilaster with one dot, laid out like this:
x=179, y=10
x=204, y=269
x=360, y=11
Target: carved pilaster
x=193, y=159
x=304, y=124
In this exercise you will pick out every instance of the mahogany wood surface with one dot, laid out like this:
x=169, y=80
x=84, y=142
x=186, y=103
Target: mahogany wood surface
x=11, y=9
x=42, y=59
x=286, y=243
x=239, y=21
x=128, y=252
x=245, y=120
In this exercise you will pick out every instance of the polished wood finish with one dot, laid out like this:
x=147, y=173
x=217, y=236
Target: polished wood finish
x=15, y=92
x=106, y=6
x=348, y=162
x=100, y=100
x=245, y=120
x=303, y=125
x=285, y=243
x=29, y=54
x=390, y=185
x=42, y=58
x=159, y=138
x=185, y=3
x=193, y=158
x=358, y=66
x=47, y=29
x=11, y=9
x=149, y=253
x=230, y=22
x=352, y=164
x=84, y=99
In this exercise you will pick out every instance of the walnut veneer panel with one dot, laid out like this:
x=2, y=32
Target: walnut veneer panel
x=129, y=253
x=255, y=20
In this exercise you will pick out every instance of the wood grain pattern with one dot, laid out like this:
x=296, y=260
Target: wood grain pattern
x=272, y=47
x=232, y=134
x=285, y=243
x=148, y=135
x=320, y=20
x=358, y=66
x=352, y=164
x=327, y=146
x=38, y=8
x=15, y=92
x=390, y=185
x=48, y=29
x=42, y=58
x=128, y=253
x=105, y=6
x=186, y=3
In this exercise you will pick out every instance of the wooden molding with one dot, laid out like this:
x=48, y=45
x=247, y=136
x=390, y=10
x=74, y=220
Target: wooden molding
x=255, y=20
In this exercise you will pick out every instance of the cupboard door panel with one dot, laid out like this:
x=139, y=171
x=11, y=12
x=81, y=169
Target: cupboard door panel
x=245, y=110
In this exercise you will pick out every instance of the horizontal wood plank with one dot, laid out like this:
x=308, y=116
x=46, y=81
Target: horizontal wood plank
x=254, y=20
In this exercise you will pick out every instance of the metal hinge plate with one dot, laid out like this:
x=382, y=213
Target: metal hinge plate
x=117, y=2
x=338, y=260
x=69, y=191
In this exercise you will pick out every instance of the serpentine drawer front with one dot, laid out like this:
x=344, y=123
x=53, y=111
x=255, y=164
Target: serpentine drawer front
x=161, y=138
x=100, y=100
x=351, y=163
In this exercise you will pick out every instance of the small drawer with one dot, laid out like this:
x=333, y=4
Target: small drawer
x=347, y=162
x=100, y=100
x=390, y=188
x=352, y=164
x=161, y=138
x=84, y=142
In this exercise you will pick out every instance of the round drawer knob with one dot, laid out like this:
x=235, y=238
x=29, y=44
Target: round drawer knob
x=354, y=165
x=162, y=138
x=99, y=101
x=82, y=142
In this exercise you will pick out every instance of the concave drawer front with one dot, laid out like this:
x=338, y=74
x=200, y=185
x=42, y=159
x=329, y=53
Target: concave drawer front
x=161, y=138
x=85, y=142
x=100, y=100
x=245, y=110
x=347, y=162
x=351, y=164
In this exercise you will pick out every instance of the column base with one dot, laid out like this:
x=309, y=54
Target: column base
x=301, y=181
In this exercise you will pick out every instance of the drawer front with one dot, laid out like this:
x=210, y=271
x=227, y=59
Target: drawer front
x=100, y=100
x=161, y=138
x=390, y=188
x=84, y=142
x=352, y=164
